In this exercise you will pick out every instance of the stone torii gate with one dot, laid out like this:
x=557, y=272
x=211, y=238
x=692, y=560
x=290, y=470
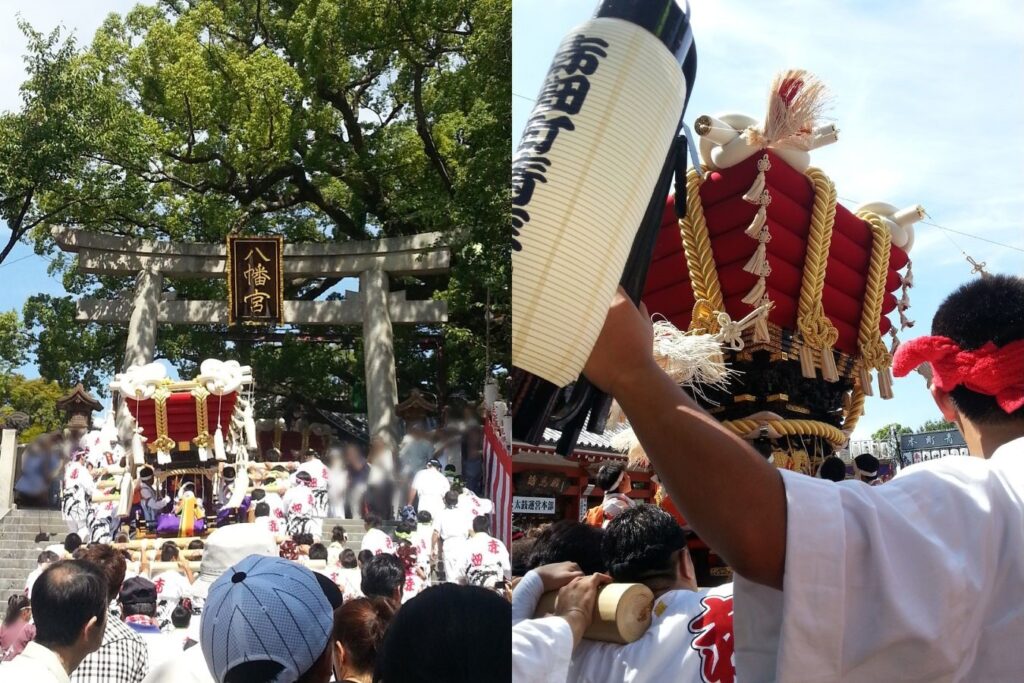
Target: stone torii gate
x=374, y=307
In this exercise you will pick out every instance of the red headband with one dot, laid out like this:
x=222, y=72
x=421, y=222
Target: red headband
x=990, y=370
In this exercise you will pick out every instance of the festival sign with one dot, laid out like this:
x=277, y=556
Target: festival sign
x=532, y=505
x=932, y=445
x=255, y=280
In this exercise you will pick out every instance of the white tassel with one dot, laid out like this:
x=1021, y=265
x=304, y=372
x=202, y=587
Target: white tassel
x=806, y=356
x=753, y=195
x=865, y=380
x=885, y=383
x=754, y=229
x=829, y=371
x=204, y=453
x=250, y=427
x=761, y=335
x=758, y=262
x=138, y=447
x=163, y=457
x=218, y=444
x=755, y=294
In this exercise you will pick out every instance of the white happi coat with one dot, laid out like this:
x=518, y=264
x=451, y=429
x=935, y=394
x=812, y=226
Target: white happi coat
x=377, y=542
x=473, y=505
x=430, y=487
x=76, y=495
x=690, y=639
x=319, y=478
x=298, y=510
x=920, y=579
x=485, y=561
x=150, y=503
x=453, y=526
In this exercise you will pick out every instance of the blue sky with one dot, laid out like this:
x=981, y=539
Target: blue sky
x=927, y=94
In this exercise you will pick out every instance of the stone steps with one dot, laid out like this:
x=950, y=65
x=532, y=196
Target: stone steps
x=19, y=549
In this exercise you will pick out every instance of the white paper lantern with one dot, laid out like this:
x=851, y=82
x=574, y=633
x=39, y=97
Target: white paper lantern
x=582, y=179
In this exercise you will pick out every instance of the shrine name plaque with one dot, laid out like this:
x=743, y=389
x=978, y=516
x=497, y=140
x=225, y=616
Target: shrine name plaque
x=255, y=281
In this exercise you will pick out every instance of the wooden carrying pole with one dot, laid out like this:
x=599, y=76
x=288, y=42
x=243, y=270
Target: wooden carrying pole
x=622, y=612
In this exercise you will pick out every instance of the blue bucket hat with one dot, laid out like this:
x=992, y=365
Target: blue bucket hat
x=265, y=608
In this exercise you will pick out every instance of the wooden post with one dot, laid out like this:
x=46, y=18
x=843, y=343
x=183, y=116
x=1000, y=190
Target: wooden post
x=379, y=356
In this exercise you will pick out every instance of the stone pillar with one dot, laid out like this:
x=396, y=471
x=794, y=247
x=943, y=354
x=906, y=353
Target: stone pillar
x=8, y=461
x=378, y=348
x=141, y=346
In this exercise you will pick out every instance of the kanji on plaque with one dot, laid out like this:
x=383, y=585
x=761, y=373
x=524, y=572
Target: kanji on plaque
x=255, y=282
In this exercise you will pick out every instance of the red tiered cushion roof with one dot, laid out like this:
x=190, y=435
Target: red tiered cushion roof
x=181, y=415
x=668, y=291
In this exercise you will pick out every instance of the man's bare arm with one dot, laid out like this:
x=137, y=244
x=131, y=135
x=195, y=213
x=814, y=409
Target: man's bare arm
x=728, y=492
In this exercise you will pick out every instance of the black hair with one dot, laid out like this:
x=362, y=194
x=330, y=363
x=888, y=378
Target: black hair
x=451, y=499
x=147, y=609
x=424, y=517
x=640, y=544
x=608, y=474
x=318, y=551
x=383, y=575
x=47, y=556
x=568, y=541
x=520, y=552
x=405, y=527
x=451, y=633
x=481, y=524
x=169, y=552
x=15, y=604
x=867, y=463
x=302, y=475
x=832, y=468
x=181, y=616
x=195, y=545
x=257, y=494
x=121, y=538
x=262, y=510
x=338, y=534
x=363, y=557
x=254, y=671
x=987, y=309
x=303, y=539
x=72, y=542
x=371, y=520
x=64, y=598
x=348, y=558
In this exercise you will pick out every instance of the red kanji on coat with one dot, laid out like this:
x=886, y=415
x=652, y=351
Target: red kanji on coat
x=714, y=640
x=492, y=547
x=477, y=559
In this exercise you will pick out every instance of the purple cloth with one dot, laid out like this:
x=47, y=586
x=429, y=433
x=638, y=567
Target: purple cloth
x=169, y=524
x=243, y=511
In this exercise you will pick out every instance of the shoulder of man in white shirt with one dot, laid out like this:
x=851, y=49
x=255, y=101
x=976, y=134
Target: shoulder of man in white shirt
x=670, y=648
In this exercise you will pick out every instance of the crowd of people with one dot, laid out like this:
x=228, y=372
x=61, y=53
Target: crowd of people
x=424, y=596
x=835, y=577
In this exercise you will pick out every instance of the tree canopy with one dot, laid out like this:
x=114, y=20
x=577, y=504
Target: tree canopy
x=319, y=120
x=36, y=398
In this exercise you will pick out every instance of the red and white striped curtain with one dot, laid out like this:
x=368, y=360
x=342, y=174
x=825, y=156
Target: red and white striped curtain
x=498, y=474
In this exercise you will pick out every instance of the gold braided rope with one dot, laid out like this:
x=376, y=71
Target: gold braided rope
x=163, y=441
x=207, y=472
x=856, y=409
x=202, y=418
x=873, y=353
x=815, y=328
x=828, y=432
x=700, y=260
